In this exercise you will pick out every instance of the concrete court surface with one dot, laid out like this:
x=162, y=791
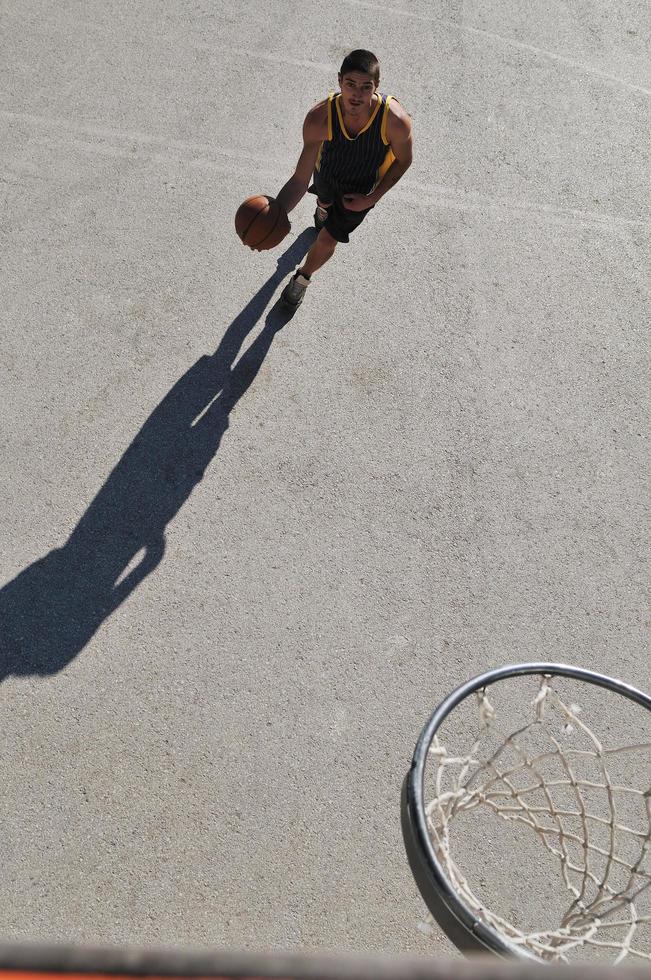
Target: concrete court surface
x=234, y=589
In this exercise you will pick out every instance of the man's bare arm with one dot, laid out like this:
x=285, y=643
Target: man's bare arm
x=315, y=130
x=399, y=133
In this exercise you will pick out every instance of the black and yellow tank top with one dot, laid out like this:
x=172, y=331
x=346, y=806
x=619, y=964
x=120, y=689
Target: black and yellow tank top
x=355, y=164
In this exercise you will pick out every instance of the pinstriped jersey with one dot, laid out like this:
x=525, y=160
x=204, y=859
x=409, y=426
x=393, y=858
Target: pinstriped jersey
x=355, y=164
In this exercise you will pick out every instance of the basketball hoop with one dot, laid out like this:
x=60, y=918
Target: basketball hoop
x=551, y=776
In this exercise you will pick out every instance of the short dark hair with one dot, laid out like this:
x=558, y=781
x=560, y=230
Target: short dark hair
x=360, y=60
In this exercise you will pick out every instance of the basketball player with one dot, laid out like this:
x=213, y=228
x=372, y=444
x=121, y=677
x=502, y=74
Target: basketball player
x=357, y=146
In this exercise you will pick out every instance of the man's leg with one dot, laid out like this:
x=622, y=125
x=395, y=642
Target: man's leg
x=321, y=251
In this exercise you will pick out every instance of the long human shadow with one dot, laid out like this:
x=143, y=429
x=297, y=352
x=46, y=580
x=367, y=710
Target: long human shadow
x=49, y=612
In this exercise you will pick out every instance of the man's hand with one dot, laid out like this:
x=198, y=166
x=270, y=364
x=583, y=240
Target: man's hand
x=358, y=202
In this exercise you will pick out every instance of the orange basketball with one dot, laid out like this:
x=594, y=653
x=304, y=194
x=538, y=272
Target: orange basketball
x=261, y=223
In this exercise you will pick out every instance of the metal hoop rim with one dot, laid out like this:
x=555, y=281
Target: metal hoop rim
x=485, y=936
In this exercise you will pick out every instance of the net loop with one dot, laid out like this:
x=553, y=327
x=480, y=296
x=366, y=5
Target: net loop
x=553, y=776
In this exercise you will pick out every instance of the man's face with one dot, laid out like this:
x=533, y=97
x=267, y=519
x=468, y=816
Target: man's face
x=357, y=91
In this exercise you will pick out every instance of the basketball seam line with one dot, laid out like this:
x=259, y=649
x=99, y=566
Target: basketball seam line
x=271, y=231
x=255, y=218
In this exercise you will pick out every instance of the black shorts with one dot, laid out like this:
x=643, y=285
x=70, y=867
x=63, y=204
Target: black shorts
x=340, y=221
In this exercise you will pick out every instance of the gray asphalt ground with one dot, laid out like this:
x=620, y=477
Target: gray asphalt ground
x=243, y=558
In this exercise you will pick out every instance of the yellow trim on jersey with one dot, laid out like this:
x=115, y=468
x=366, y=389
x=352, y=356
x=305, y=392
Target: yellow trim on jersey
x=384, y=166
x=385, y=119
x=341, y=118
x=317, y=165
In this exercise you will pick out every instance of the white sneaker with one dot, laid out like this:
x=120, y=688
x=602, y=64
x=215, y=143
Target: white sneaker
x=293, y=293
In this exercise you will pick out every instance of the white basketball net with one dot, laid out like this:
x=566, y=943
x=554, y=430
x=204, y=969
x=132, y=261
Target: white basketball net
x=602, y=917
